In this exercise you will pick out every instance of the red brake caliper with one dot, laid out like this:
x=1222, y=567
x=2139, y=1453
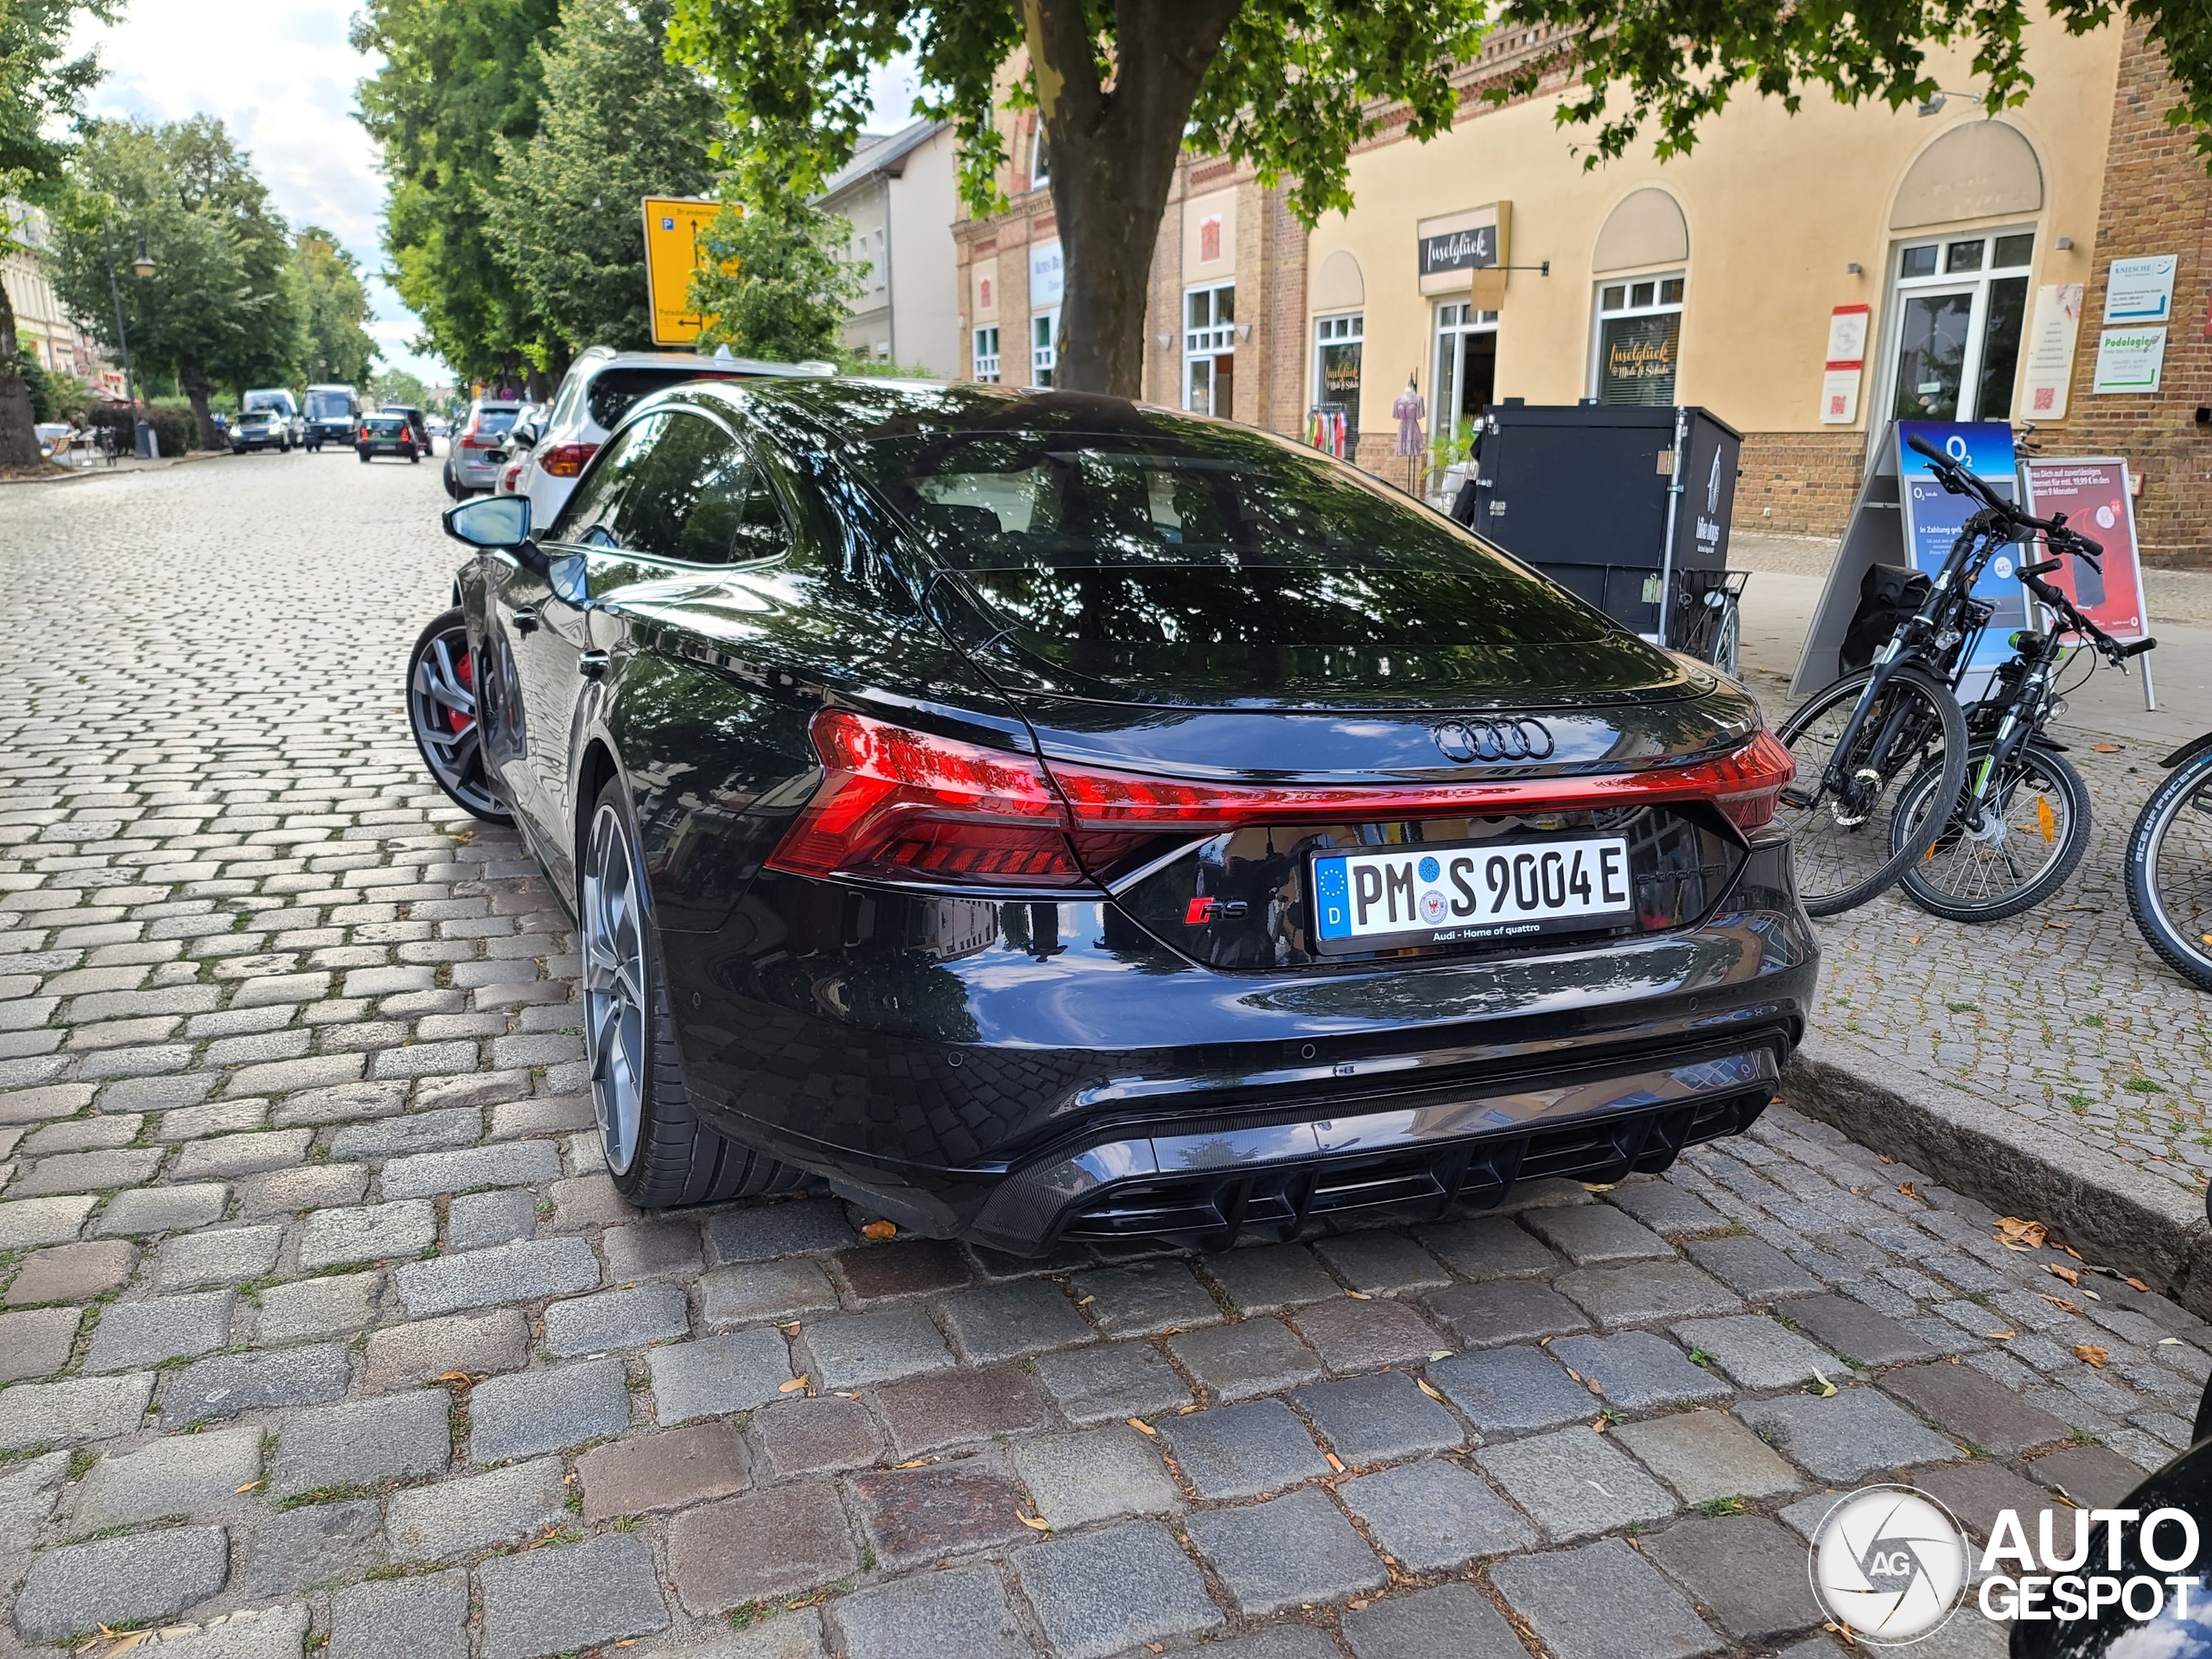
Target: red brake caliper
x=464, y=669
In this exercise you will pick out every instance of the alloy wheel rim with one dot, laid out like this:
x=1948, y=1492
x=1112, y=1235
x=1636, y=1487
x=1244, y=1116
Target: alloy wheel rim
x=614, y=988
x=442, y=706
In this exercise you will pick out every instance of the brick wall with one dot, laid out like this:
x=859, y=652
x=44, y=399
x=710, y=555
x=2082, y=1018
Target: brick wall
x=2157, y=198
x=1798, y=483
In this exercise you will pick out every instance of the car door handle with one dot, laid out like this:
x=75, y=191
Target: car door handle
x=592, y=665
x=525, y=621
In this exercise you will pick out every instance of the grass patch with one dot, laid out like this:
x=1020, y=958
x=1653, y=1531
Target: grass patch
x=80, y=1464
x=1962, y=1007
x=2143, y=1086
x=1714, y=1507
x=327, y=1495
x=2094, y=1022
x=1699, y=1356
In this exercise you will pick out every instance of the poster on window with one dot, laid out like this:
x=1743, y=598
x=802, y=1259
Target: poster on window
x=1636, y=360
x=2050, y=350
x=1932, y=517
x=2092, y=494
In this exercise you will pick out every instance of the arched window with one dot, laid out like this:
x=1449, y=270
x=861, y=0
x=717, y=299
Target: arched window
x=1637, y=345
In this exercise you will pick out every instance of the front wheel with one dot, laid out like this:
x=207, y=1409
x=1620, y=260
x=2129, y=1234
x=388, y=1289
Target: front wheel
x=442, y=710
x=2170, y=870
x=1847, y=851
x=2009, y=854
x=658, y=1151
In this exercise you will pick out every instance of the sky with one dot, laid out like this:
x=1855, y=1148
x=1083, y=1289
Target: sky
x=282, y=75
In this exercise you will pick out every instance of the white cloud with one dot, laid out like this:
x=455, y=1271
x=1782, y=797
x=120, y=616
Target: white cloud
x=281, y=77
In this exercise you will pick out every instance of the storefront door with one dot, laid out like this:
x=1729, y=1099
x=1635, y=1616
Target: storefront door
x=1465, y=376
x=1961, y=303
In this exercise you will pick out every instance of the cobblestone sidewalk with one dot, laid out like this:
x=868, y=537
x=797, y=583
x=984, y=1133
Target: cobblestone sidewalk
x=319, y=1324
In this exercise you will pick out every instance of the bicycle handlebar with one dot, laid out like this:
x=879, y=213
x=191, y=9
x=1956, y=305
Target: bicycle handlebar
x=2056, y=530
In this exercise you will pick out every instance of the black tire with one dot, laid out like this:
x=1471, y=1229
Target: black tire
x=442, y=707
x=2043, y=809
x=666, y=1156
x=412, y=458
x=364, y=455
x=2170, y=870
x=453, y=484
x=1844, y=853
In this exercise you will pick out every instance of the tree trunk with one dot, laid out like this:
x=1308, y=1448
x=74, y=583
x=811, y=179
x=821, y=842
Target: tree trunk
x=1114, y=154
x=197, y=388
x=18, y=427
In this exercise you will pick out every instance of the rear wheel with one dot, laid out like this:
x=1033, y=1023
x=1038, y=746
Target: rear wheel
x=2170, y=870
x=658, y=1152
x=442, y=711
x=1846, y=852
x=2014, y=854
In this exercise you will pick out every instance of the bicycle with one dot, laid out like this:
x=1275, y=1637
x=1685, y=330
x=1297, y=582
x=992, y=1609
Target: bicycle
x=1862, y=739
x=2022, y=823
x=2170, y=864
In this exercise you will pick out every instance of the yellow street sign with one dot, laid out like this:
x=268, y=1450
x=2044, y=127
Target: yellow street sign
x=672, y=227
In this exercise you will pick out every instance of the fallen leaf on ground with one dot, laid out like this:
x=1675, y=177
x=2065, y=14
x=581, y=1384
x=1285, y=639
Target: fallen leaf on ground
x=248, y=1487
x=1820, y=1385
x=2165, y=1341
x=1423, y=1384
x=1906, y=1187
x=1441, y=1353
x=2071, y=1275
x=913, y=1462
x=2059, y=927
x=1600, y=1186
x=1034, y=1523
x=794, y=1385
x=2012, y=1230
x=1576, y=1375
x=881, y=1229
x=1084, y=1301
x=2090, y=1353
x=458, y=1379
x=2001, y=1336
x=2062, y=1304
x=2104, y=748
x=1915, y=939
x=1600, y=1425
x=1141, y=1426
x=1359, y=1295
x=1884, y=1156
x=2137, y=1284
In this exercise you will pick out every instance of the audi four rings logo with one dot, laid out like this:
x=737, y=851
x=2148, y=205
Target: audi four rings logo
x=1495, y=739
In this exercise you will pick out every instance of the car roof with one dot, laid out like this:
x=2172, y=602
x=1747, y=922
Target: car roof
x=850, y=410
x=710, y=366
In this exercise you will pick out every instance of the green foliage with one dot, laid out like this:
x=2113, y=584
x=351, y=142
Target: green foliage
x=221, y=305
x=336, y=348
x=1674, y=64
x=38, y=382
x=396, y=386
x=458, y=77
x=619, y=123
x=771, y=284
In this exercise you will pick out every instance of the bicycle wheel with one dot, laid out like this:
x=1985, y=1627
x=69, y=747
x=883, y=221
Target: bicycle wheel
x=1844, y=853
x=2170, y=870
x=2016, y=853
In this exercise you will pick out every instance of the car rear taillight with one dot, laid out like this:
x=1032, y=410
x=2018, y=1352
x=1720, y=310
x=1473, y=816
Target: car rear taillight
x=567, y=459
x=365, y=434
x=901, y=805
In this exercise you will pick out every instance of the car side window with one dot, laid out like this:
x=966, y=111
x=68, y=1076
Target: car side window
x=587, y=518
x=700, y=499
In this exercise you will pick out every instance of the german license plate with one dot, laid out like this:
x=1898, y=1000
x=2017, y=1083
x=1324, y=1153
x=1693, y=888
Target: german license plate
x=1388, y=898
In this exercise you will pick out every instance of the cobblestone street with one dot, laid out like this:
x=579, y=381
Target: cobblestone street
x=321, y=1324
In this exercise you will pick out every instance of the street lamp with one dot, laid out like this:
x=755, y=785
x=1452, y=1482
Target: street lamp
x=142, y=267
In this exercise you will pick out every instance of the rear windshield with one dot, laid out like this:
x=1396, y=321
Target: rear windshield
x=1208, y=538
x=386, y=426
x=613, y=390
x=495, y=422
x=279, y=401
x=328, y=405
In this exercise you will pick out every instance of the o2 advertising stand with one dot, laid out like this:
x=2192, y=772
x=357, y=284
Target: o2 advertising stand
x=1905, y=518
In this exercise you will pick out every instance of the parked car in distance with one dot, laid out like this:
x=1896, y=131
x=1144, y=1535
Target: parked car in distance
x=599, y=389
x=385, y=435
x=1048, y=817
x=278, y=401
x=329, y=416
x=440, y=427
x=416, y=422
x=514, y=448
x=472, y=459
x=261, y=428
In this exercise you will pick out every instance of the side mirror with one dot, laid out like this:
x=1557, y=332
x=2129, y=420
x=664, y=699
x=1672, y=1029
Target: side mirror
x=501, y=521
x=522, y=437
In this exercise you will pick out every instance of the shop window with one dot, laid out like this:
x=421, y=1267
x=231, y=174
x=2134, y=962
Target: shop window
x=1639, y=340
x=1464, y=377
x=1044, y=347
x=1960, y=304
x=1040, y=160
x=987, y=354
x=1338, y=344
x=1209, y=350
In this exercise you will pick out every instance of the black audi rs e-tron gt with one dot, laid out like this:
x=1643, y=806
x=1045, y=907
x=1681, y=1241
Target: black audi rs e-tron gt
x=1048, y=817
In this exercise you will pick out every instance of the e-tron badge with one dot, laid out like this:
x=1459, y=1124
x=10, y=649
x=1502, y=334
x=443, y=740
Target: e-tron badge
x=1494, y=739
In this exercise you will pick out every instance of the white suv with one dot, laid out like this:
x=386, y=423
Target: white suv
x=596, y=393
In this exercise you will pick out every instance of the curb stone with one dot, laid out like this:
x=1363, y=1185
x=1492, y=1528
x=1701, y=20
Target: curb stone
x=2137, y=1221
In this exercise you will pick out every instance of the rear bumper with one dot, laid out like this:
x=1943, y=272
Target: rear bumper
x=1019, y=1072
